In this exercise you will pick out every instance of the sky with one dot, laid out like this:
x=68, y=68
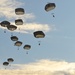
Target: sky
x=56, y=53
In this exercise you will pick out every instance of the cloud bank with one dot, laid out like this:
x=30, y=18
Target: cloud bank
x=41, y=67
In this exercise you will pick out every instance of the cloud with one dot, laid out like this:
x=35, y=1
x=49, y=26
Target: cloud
x=31, y=27
x=41, y=67
x=35, y=27
x=7, y=9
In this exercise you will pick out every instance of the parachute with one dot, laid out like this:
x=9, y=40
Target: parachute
x=10, y=60
x=19, y=11
x=18, y=43
x=5, y=64
x=50, y=6
x=5, y=24
x=39, y=34
x=11, y=27
x=14, y=38
x=27, y=47
x=19, y=22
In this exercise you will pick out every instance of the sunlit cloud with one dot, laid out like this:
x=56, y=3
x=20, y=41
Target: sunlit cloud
x=35, y=27
x=41, y=67
x=31, y=27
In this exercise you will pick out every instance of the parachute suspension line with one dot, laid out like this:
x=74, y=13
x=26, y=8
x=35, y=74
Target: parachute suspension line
x=10, y=65
x=53, y=15
x=11, y=34
x=4, y=30
x=5, y=67
x=26, y=52
x=18, y=47
x=19, y=30
x=39, y=42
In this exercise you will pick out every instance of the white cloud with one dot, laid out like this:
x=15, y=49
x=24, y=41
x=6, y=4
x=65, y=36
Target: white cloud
x=35, y=27
x=41, y=67
x=7, y=9
x=31, y=27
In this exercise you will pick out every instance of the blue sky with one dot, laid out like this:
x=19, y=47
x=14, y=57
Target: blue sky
x=59, y=41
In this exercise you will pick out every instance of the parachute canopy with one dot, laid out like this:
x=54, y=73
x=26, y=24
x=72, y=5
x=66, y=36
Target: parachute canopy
x=19, y=11
x=5, y=23
x=19, y=22
x=11, y=27
x=14, y=38
x=5, y=63
x=27, y=47
x=18, y=43
x=39, y=34
x=50, y=6
x=10, y=59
